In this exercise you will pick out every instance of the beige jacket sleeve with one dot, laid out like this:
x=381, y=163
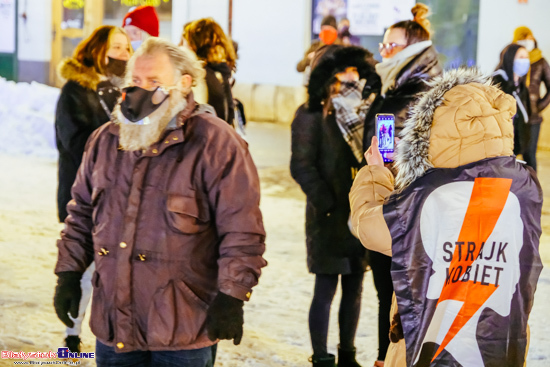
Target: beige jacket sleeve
x=371, y=186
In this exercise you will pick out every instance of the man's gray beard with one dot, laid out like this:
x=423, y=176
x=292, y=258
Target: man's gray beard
x=138, y=137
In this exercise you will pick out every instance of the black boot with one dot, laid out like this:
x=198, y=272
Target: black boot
x=73, y=343
x=328, y=361
x=346, y=358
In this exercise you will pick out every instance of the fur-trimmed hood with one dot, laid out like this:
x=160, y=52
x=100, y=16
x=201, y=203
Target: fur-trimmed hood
x=461, y=119
x=331, y=60
x=71, y=69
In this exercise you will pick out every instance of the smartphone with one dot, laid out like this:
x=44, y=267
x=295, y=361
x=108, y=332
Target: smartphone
x=385, y=132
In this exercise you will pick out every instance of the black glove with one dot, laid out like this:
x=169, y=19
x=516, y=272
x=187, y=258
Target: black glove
x=67, y=296
x=224, y=318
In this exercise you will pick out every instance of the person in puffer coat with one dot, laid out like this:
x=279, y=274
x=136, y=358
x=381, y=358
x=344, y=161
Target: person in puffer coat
x=461, y=221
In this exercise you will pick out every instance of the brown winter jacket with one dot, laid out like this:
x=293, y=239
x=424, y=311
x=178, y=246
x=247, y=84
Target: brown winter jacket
x=539, y=73
x=167, y=228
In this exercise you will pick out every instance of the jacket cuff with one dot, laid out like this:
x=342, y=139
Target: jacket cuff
x=236, y=290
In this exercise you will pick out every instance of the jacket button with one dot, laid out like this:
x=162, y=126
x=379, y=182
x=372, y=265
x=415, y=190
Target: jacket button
x=141, y=257
x=166, y=142
x=120, y=345
x=328, y=214
x=175, y=138
x=123, y=245
x=248, y=295
x=155, y=151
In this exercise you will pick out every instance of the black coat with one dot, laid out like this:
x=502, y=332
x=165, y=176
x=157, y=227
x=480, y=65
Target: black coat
x=79, y=112
x=324, y=166
x=410, y=81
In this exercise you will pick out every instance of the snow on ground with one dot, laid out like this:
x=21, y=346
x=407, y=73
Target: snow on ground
x=27, y=113
x=276, y=332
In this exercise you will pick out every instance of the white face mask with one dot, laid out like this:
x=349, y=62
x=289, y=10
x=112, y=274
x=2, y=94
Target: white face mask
x=528, y=44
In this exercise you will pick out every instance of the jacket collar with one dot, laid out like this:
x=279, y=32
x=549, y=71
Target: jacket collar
x=71, y=69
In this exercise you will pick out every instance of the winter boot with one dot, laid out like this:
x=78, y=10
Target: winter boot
x=73, y=343
x=328, y=361
x=346, y=358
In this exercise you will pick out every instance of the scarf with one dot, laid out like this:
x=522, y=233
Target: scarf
x=390, y=68
x=515, y=94
x=351, y=111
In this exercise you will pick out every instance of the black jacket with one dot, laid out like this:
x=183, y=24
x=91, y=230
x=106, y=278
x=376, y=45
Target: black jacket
x=79, y=112
x=324, y=166
x=218, y=84
x=409, y=82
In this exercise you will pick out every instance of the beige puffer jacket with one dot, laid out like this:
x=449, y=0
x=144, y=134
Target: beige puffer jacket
x=471, y=121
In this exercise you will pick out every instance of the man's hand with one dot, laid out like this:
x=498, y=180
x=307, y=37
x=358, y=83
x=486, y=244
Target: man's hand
x=225, y=318
x=372, y=155
x=67, y=296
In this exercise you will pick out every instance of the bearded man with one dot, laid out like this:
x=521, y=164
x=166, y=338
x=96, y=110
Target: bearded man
x=166, y=202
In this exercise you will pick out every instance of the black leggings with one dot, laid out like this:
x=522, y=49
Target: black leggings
x=381, y=265
x=348, y=316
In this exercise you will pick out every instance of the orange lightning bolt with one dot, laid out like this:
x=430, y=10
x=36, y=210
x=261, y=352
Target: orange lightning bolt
x=488, y=198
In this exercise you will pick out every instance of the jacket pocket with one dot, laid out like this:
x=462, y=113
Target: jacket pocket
x=176, y=316
x=100, y=321
x=187, y=214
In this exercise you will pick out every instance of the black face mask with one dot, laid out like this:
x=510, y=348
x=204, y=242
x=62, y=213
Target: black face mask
x=138, y=103
x=115, y=67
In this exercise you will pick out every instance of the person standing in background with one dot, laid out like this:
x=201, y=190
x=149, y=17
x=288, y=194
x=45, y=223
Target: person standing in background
x=538, y=74
x=327, y=151
x=208, y=41
x=328, y=35
x=510, y=77
x=141, y=23
x=93, y=75
x=409, y=60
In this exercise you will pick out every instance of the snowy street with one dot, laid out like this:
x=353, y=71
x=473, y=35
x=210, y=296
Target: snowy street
x=276, y=331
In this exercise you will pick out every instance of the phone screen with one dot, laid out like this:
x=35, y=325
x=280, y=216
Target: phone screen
x=385, y=132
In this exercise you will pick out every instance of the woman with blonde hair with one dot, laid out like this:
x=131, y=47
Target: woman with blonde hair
x=93, y=75
x=207, y=39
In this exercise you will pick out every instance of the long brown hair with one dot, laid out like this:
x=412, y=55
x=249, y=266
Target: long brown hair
x=418, y=29
x=92, y=51
x=209, y=42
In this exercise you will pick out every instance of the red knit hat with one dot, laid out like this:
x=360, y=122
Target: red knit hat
x=145, y=18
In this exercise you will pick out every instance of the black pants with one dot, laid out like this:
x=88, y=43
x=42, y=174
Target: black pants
x=530, y=154
x=381, y=266
x=348, y=316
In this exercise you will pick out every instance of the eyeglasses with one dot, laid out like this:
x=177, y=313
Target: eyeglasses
x=388, y=47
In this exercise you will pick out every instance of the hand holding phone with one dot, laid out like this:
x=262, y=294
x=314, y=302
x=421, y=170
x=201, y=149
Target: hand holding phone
x=385, y=133
x=372, y=155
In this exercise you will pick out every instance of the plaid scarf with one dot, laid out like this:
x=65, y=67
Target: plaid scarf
x=351, y=111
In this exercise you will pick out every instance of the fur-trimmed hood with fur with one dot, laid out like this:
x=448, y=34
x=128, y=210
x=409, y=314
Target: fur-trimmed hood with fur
x=331, y=60
x=461, y=119
x=71, y=69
